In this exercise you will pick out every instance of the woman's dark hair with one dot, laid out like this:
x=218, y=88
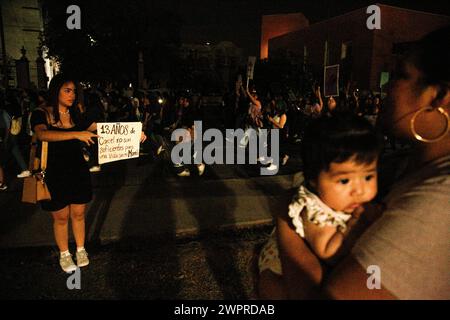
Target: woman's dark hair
x=338, y=139
x=53, y=93
x=280, y=107
x=430, y=56
x=43, y=94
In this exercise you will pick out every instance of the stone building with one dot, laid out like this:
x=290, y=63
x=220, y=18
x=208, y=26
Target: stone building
x=224, y=59
x=277, y=25
x=21, y=27
x=362, y=54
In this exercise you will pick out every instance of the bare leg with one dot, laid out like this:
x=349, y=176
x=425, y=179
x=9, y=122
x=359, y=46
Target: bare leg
x=2, y=177
x=78, y=223
x=60, y=223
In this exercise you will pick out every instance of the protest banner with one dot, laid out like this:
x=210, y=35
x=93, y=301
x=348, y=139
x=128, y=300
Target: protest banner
x=331, y=80
x=250, y=68
x=384, y=79
x=118, y=141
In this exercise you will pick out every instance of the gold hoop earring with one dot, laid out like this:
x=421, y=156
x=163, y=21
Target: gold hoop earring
x=418, y=136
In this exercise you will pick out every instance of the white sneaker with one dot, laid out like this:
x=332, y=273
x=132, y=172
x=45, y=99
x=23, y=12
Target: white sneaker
x=82, y=258
x=272, y=167
x=265, y=160
x=201, y=168
x=3, y=187
x=184, y=173
x=67, y=263
x=285, y=160
x=160, y=149
x=24, y=174
x=95, y=169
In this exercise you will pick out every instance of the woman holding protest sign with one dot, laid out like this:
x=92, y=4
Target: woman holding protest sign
x=67, y=176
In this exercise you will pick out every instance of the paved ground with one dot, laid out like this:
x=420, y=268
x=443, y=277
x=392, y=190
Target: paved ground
x=215, y=266
x=150, y=234
x=140, y=198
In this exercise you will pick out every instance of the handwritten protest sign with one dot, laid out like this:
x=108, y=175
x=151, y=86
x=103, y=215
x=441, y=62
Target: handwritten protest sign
x=331, y=80
x=118, y=141
x=250, y=68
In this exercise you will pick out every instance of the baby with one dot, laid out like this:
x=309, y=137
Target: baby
x=340, y=156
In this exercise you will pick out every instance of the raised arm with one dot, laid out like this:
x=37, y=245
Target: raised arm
x=319, y=97
x=253, y=100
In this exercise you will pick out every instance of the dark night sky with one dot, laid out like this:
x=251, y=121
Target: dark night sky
x=239, y=21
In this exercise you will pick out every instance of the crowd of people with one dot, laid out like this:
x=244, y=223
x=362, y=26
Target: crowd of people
x=332, y=231
x=160, y=114
x=163, y=111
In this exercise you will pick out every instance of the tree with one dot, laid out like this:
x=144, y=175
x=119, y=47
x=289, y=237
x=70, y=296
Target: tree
x=111, y=35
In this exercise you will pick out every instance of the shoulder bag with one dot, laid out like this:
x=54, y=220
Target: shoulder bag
x=16, y=125
x=34, y=187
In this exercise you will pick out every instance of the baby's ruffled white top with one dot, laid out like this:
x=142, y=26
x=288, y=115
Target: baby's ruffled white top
x=316, y=212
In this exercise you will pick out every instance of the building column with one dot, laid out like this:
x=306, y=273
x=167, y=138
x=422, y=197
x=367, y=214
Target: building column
x=23, y=71
x=41, y=75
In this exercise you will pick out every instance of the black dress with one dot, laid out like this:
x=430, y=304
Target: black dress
x=67, y=175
